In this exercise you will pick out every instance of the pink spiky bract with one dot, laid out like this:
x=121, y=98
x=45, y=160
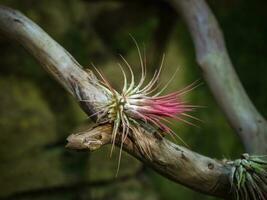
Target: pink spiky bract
x=137, y=102
x=155, y=109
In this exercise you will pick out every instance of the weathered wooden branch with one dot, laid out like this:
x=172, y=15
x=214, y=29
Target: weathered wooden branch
x=172, y=161
x=220, y=75
x=54, y=58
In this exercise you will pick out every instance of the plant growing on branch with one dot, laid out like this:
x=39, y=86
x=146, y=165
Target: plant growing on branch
x=249, y=177
x=141, y=105
x=244, y=178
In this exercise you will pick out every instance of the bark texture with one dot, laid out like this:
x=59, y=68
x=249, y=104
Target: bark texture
x=220, y=75
x=175, y=162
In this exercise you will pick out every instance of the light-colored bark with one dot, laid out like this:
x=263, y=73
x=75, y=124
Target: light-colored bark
x=53, y=57
x=175, y=162
x=220, y=75
x=172, y=161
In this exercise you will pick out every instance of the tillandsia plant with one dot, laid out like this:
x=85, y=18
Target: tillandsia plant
x=248, y=178
x=142, y=104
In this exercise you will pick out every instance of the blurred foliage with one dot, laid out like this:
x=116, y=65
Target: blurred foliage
x=36, y=114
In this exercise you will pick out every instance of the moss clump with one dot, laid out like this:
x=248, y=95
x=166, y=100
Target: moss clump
x=25, y=120
x=27, y=126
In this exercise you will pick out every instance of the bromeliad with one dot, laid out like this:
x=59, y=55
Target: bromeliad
x=139, y=103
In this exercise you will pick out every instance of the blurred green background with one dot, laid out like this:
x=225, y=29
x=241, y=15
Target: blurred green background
x=36, y=114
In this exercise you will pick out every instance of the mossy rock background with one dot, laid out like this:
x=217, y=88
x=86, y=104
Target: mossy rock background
x=36, y=114
x=34, y=160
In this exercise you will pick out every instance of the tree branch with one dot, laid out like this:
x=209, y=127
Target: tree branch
x=175, y=162
x=220, y=75
x=172, y=161
x=54, y=58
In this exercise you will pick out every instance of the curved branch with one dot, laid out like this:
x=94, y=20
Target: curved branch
x=54, y=58
x=172, y=161
x=220, y=75
x=175, y=162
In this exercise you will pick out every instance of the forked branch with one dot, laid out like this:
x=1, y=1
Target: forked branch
x=175, y=162
x=172, y=161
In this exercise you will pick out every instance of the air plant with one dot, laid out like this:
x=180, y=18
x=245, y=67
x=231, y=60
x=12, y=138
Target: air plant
x=248, y=178
x=140, y=104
